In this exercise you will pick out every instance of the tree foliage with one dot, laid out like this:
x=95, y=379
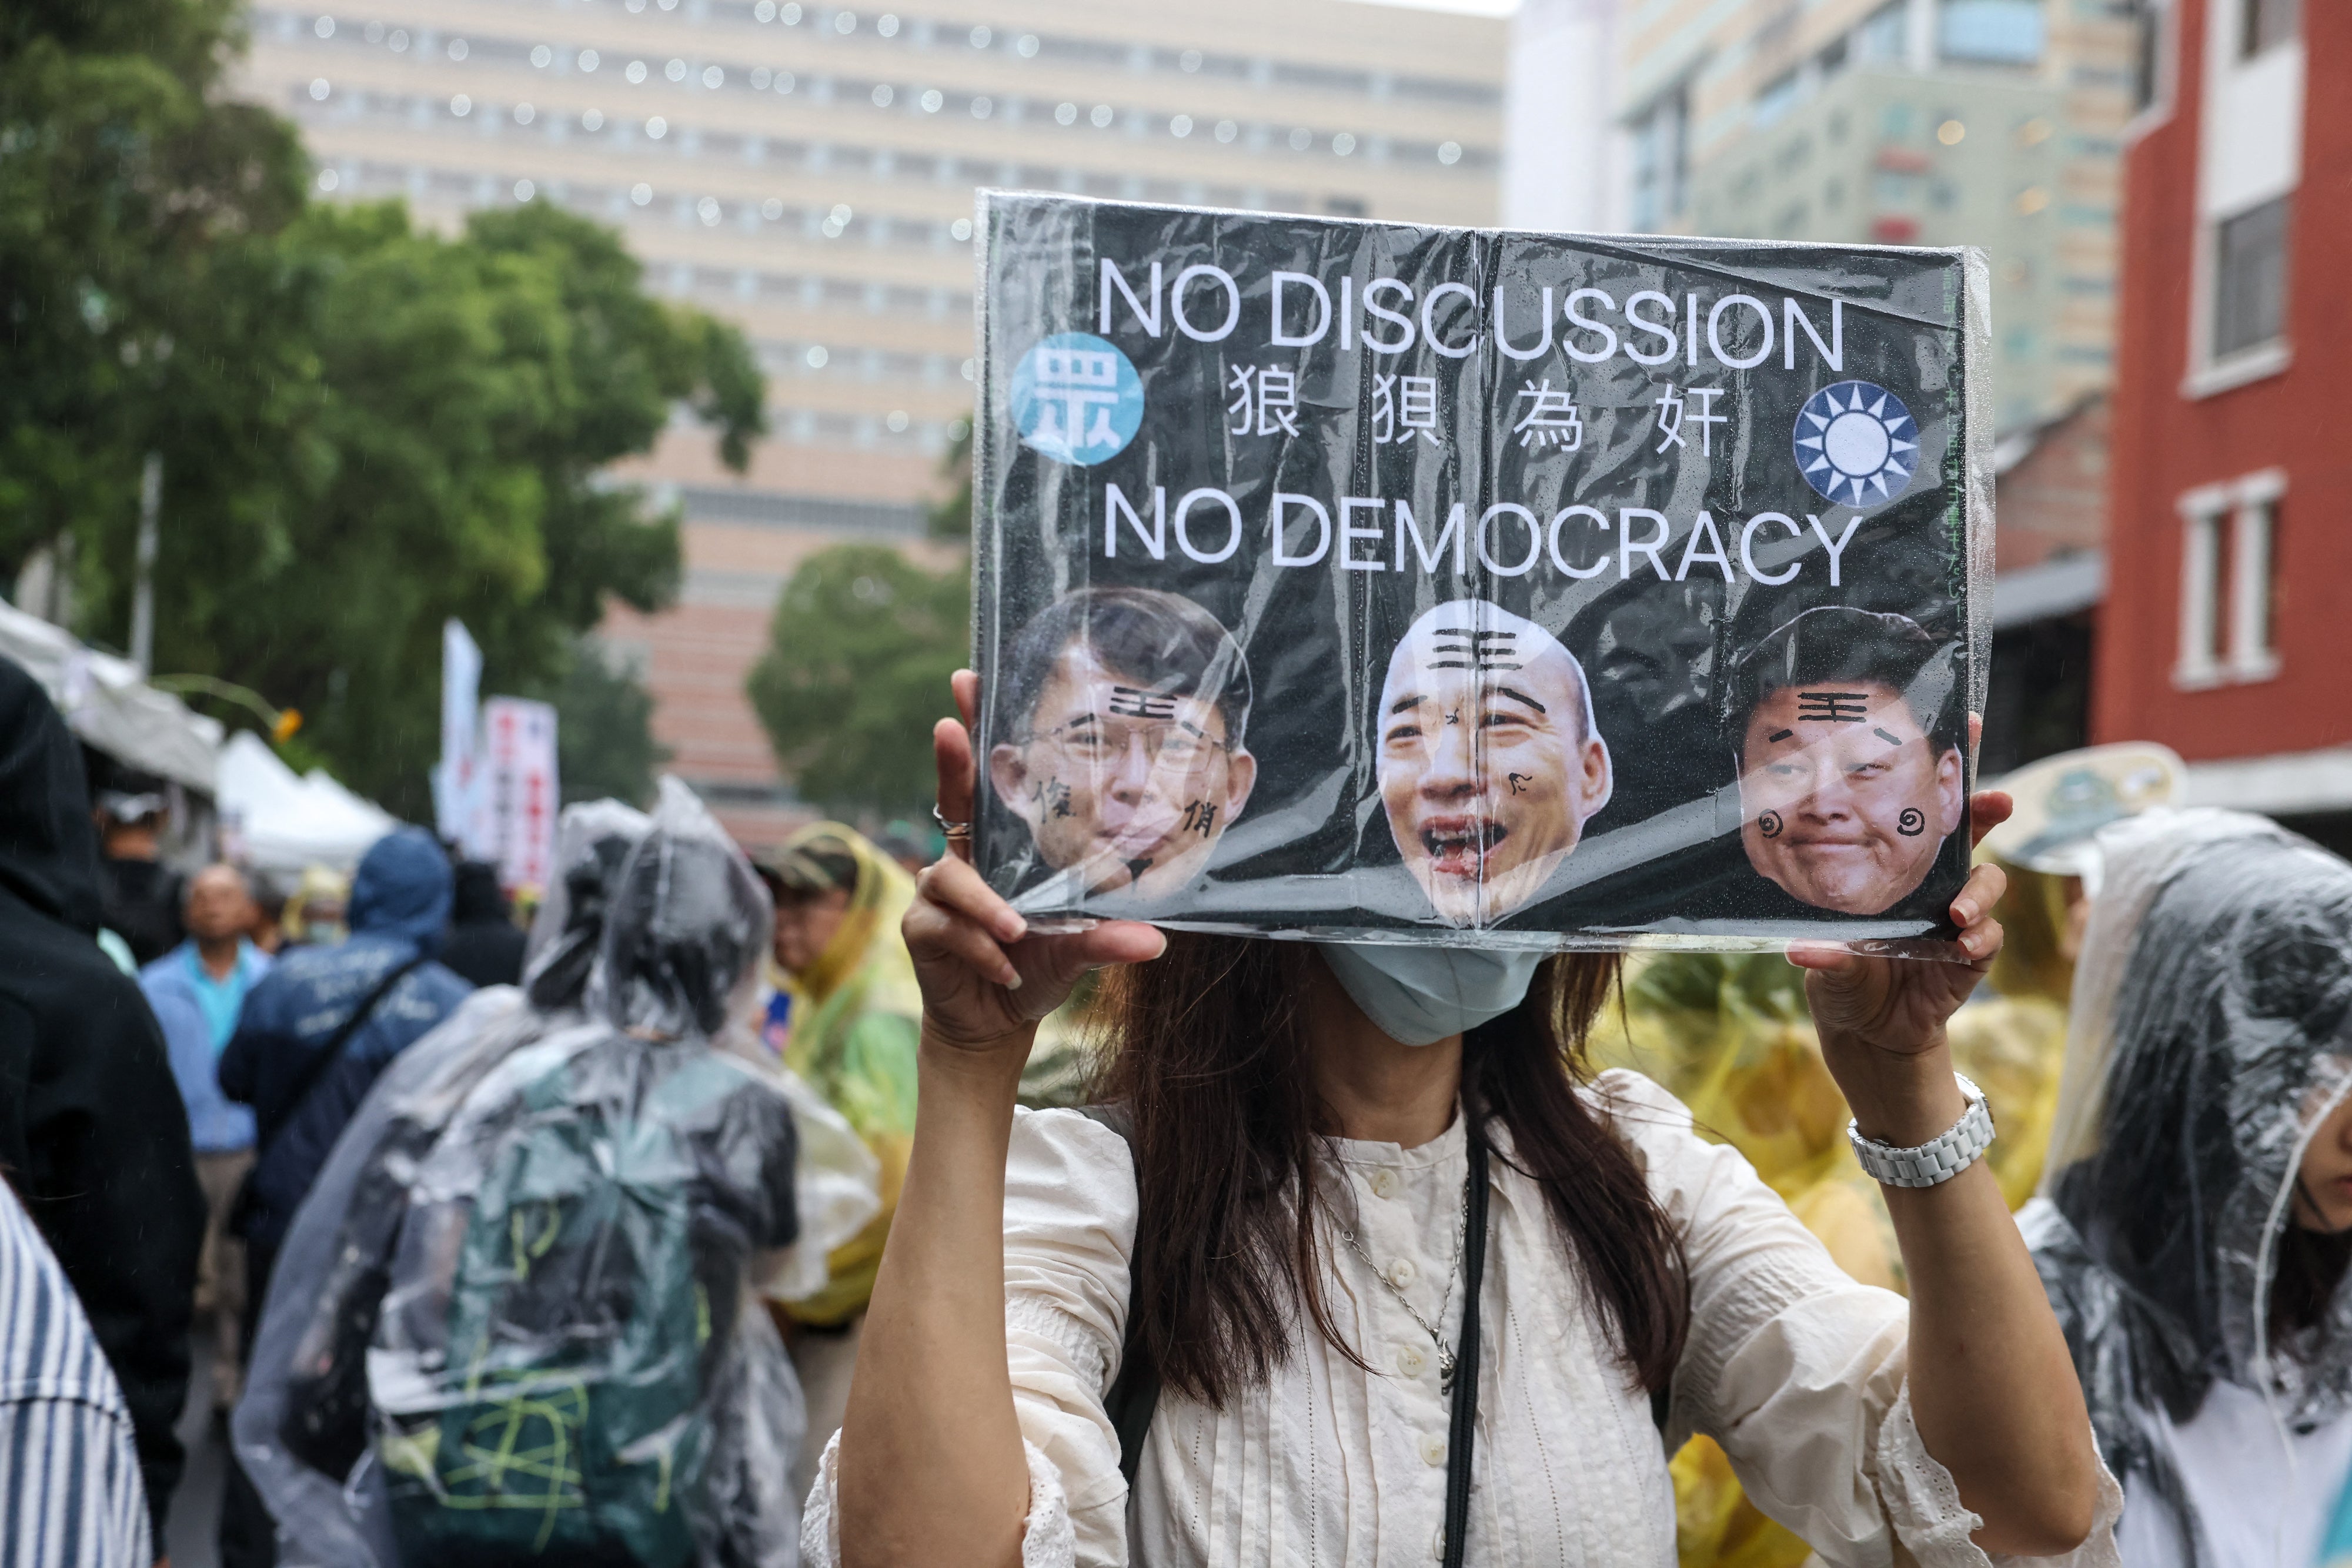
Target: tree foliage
x=603, y=734
x=365, y=427
x=856, y=674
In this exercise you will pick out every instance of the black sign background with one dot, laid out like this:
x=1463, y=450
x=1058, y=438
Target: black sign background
x=1312, y=852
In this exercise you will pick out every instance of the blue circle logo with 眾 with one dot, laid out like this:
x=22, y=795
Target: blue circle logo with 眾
x=1856, y=444
x=1077, y=399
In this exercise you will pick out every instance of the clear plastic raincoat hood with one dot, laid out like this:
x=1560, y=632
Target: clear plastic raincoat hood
x=2212, y=1035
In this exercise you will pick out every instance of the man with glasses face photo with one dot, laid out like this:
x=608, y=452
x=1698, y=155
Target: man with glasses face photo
x=1125, y=755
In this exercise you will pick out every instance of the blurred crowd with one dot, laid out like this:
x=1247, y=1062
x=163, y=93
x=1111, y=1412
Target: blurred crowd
x=548, y=1232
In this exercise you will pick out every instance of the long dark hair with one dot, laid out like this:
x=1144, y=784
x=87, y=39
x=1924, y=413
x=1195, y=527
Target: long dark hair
x=1208, y=1053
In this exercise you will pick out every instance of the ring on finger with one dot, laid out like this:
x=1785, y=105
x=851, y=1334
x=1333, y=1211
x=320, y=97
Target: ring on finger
x=952, y=830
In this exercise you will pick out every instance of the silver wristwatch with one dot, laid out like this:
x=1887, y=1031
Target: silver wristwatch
x=1937, y=1160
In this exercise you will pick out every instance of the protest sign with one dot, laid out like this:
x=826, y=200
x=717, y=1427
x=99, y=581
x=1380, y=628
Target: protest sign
x=516, y=792
x=1384, y=582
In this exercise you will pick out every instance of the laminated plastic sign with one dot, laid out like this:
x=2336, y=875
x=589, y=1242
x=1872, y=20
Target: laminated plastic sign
x=1360, y=579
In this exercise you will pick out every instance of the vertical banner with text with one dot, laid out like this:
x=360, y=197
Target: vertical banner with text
x=518, y=789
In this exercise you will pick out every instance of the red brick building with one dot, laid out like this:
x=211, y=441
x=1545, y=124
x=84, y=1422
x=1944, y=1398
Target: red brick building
x=2229, y=536
x=2050, y=494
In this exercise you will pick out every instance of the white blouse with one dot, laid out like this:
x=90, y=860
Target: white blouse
x=1793, y=1367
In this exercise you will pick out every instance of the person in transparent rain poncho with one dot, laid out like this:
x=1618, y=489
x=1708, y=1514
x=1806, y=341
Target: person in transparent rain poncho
x=305, y=1420
x=302, y=1425
x=2195, y=1214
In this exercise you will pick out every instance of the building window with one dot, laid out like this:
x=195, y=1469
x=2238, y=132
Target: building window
x=2147, y=19
x=1880, y=36
x=1778, y=96
x=2254, y=588
x=2250, y=279
x=1990, y=32
x=1661, y=159
x=2229, y=581
x=2264, y=25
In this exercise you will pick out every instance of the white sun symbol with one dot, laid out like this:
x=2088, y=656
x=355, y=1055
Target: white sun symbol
x=1856, y=442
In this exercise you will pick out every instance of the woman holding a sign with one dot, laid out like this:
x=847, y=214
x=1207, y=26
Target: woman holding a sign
x=1354, y=1267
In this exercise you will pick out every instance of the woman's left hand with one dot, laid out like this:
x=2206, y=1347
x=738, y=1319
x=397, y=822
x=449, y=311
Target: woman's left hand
x=1882, y=1020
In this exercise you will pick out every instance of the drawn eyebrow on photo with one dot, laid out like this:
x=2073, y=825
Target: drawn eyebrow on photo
x=1882, y=735
x=1520, y=696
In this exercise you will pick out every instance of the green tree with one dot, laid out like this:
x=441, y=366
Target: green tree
x=855, y=673
x=441, y=456
x=604, y=734
x=132, y=192
x=365, y=427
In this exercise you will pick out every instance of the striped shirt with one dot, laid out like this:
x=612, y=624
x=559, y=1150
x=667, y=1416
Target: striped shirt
x=70, y=1495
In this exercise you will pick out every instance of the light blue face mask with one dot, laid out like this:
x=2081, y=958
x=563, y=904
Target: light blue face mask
x=1418, y=995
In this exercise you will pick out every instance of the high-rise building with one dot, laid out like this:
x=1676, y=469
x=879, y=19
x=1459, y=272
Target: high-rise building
x=1989, y=122
x=2230, y=567
x=807, y=171
x=1562, y=150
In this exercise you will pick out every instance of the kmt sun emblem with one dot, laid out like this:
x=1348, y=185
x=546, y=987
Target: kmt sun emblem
x=1856, y=444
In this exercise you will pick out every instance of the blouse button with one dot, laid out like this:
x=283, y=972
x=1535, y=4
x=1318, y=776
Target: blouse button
x=1401, y=1272
x=1410, y=1362
x=1384, y=1182
x=1437, y=1544
x=1433, y=1450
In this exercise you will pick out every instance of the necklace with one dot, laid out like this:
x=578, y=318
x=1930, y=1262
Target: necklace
x=1453, y=1272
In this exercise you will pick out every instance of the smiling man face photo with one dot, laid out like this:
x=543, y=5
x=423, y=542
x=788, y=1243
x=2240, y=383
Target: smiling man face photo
x=1128, y=756
x=1850, y=773
x=1489, y=763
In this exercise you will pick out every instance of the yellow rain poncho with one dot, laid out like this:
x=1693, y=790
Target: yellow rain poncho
x=856, y=1020
x=1730, y=1035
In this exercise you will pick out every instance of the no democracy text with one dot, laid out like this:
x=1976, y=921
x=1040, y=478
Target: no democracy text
x=1509, y=539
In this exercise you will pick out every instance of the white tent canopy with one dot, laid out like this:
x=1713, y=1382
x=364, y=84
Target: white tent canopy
x=110, y=707
x=278, y=822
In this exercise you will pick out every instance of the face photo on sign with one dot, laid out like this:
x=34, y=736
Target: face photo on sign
x=1850, y=772
x=1125, y=752
x=1489, y=761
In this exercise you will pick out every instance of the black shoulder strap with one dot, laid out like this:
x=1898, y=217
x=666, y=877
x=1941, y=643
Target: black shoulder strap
x=1462, y=1433
x=326, y=1055
x=1134, y=1396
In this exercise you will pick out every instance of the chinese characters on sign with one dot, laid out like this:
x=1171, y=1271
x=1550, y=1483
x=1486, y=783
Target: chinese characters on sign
x=1551, y=419
x=1077, y=388
x=519, y=793
x=1672, y=417
x=1404, y=407
x=1266, y=400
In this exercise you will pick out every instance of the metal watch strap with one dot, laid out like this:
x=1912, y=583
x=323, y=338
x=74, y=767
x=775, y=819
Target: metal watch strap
x=1937, y=1160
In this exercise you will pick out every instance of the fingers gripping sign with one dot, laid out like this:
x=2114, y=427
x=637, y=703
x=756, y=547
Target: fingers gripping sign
x=1879, y=1016
x=986, y=978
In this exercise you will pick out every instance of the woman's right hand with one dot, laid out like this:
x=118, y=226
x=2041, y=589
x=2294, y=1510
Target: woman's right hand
x=986, y=981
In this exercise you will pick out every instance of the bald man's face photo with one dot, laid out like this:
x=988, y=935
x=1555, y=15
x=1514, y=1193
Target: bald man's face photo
x=1485, y=767
x=1844, y=801
x=1128, y=786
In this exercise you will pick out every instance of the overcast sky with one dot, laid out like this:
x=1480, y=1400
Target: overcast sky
x=1475, y=7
